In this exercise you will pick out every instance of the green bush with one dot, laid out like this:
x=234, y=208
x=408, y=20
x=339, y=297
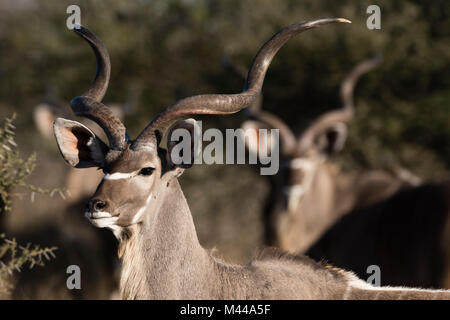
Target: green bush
x=13, y=173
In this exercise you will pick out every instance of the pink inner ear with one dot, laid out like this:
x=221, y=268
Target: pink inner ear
x=252, y=142
x=78, y=144
x=44, y=119
x=68, y=143
x=73, y=140
x=256, y=138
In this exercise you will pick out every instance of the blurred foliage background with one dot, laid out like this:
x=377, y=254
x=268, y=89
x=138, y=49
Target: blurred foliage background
x=164, y=50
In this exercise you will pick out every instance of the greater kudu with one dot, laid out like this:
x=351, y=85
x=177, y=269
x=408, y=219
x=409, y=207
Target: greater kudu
x=309, y=193
x=141, y=201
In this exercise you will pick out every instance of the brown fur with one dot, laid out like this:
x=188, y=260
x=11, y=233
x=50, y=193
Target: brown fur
x=406, y=235
x=330, y=196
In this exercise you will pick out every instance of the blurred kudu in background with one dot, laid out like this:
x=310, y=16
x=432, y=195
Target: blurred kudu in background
x=309, y=193
x=353, y=220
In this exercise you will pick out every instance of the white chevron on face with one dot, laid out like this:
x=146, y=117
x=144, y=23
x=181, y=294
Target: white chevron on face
x=119, y=175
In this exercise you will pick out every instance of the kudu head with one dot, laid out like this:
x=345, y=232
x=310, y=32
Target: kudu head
x=301, y=182
x=137, y=171
x=80, y=184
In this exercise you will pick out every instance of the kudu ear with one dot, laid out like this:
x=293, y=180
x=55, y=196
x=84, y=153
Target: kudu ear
x=332, y=139
x=43, y=119
x=253, y=141
x=79, y=146
x=183, y=144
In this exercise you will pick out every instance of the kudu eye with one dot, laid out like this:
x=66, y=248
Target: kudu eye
x=146, y=171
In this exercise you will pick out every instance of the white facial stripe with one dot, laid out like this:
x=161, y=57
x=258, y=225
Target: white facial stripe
x=141, y=211
x=119, y=175
x=302, y=163
x=294, y=193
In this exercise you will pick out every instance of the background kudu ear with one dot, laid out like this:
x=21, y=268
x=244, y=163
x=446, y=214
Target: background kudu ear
x=253, y=140
x=183, y=144
x=79, y=146
x=332, y=139
x=44, y=117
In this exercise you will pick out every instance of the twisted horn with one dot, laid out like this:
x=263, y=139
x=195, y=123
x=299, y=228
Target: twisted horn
x=254, y=111
x=345, y=114
x=241, y=71
x=89, y=104
x=287, y=137
x=227, y=103
x=349, y=83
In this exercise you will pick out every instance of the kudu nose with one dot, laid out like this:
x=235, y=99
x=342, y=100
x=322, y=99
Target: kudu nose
x=96, y=205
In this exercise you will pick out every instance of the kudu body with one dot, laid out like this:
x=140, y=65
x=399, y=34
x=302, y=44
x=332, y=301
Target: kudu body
x=406, y=235
x=309, y=193
x=141, y=201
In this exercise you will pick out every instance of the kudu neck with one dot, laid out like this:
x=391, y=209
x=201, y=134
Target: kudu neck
x=163, y=253
x=314, y=198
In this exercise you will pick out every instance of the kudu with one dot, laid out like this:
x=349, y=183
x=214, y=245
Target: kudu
x=355, y=220
x=309, y=194
x=141, y=201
